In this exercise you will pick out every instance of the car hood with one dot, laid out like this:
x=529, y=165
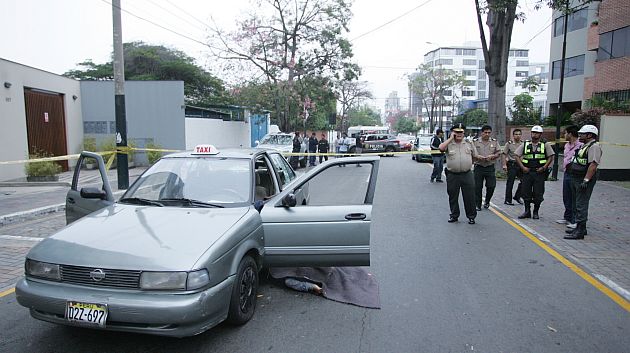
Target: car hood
x=139, y=237
x=281, y=148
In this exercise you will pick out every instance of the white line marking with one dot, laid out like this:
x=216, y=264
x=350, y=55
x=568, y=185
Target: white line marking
x=19, y=237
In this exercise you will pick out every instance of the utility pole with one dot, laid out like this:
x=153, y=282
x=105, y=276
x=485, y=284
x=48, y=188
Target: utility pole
x=554, y=174
x=119, y=98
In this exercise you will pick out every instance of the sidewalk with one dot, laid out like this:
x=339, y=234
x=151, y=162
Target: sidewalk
x=604, y=253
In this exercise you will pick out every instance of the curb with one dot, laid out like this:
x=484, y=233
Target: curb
x=19, y=216
x=31, y=183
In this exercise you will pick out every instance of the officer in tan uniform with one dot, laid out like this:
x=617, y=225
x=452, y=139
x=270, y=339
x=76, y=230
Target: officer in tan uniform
x=511, y=168
x=487, y=153
x=459, y=161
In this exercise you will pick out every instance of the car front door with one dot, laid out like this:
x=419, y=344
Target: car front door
x=90, y=190
x=333, y=228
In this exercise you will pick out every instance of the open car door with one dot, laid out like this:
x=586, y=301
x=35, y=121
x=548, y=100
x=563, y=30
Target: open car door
x=333, y=227
x=90, y=190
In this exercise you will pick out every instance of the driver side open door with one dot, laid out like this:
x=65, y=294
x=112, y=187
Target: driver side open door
x=90, y=190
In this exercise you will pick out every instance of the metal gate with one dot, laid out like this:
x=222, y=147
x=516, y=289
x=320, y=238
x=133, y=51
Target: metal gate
x=258, y=127
x=46, y=124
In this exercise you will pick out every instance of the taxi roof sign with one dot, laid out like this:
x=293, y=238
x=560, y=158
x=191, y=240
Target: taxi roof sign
x=205, y=149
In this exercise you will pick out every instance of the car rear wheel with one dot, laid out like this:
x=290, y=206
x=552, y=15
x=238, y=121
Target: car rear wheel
x=243, y=300
x=418, y=159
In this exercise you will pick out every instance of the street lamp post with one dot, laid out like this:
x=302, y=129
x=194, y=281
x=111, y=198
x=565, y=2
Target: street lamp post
x=554, y=175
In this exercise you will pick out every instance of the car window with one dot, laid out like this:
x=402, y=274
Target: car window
x=92, y=178
x=213, y=180
x=265, y=185
x=339, y=186
x=285, y=173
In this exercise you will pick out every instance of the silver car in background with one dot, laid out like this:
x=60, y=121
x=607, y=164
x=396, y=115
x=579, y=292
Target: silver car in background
x=283, y=142
x=181, y=250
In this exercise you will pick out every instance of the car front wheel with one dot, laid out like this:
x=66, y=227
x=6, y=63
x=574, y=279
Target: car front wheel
x=243, y=300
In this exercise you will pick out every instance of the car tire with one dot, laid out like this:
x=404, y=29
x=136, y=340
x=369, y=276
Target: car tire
x=244, y=292
x=303, y=162
x=418, y=159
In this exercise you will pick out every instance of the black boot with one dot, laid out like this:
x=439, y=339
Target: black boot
x=527, y=213
x=536, y=208
x=578, y=233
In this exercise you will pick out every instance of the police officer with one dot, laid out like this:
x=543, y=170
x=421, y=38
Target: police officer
x=437, y=155
x=511, y=168
x=534, y=158
x=459, y=161
x=583, y=169
x=297, y=145
x=487, y=152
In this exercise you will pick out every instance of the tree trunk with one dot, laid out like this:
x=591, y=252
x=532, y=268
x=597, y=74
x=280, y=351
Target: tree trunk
x=496, y=109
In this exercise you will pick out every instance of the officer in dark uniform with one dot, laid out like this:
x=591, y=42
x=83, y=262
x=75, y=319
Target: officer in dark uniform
x=459, y=176
x=297, y=145
x=583, y=169
x=534, y=158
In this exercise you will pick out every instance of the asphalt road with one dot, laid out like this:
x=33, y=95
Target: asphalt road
x=443, y=288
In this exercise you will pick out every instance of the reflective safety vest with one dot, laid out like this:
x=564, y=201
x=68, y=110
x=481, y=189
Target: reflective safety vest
x=581, y=157
x=531, y=159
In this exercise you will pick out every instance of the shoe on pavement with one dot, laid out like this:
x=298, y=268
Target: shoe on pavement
x=452, y=219
x=509, y=203
x=571, y=225
x=518, y=200
x=431, y=179
x=471, y=221
x=525, y=214
x=478, y=208
x=562, y=221
x=535, y=215
x=439, y=180
x=486, y=205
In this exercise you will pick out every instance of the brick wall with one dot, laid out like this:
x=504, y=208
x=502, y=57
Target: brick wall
x=612, y=75
x=613, y=14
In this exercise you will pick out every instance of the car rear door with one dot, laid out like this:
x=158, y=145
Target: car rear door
x=333, y=228
x=90, y=190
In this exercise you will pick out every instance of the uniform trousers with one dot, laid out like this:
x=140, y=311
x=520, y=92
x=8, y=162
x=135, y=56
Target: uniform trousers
x=487, y=174
x=581, y=198
x=512, y=174
x=533, y=186
x=466, y=183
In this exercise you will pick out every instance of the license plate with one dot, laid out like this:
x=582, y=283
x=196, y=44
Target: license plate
x=88, y=313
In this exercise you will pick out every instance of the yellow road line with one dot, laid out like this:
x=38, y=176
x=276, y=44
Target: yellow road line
x=7, y=292
x=573, y=267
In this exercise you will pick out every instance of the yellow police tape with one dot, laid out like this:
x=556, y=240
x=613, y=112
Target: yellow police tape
x=124, y=150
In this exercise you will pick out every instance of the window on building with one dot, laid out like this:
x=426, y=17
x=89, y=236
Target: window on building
x=481, y=95
x=444, y=62
x=577, y=20
x=458, y=51
x=522, y=63
x=470, y=52
x=482, y=64
x=481, y=85
x=468, y=72
x=448, y=93
x=482, y=75
x=471, y=83
x=522, y=73
x=614, y=44
x=447, y=51
x=573, y=66
x=470, y=62
x=467, y=93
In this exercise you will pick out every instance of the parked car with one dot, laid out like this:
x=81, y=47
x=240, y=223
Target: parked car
x=181, y=250
x=406, y=142
x=422, y=149
x=378, y=143
x=283, y=142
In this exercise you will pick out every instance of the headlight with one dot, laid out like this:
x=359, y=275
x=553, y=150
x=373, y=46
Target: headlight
x=174, y=280
x=42, y=269
x=197, y=279
x=163, y=280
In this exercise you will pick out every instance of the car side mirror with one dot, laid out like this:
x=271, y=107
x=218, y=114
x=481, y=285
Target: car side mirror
x=93, y=193
x=289, y=200
x=257, y=142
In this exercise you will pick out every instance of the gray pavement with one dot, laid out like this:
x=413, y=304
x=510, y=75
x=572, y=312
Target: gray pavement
x=604, y=253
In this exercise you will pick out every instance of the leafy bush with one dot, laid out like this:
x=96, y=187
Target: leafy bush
x=590, y=116
x=153, y=156
x=89, y=144
x=45, y=168
x=564, y=121
x=609, y=105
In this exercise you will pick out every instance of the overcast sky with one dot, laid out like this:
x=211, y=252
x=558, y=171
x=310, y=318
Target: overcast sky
x=55, y=35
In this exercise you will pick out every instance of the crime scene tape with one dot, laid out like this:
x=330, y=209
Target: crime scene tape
x=110, y=159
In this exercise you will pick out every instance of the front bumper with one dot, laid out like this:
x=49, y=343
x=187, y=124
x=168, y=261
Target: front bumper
x=159, y=313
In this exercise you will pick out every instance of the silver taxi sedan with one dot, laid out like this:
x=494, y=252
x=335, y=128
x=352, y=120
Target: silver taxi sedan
x=181, y=250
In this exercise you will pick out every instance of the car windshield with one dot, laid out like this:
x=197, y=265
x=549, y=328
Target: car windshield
x=194, y=182
x=425, y=140
x=277, y=140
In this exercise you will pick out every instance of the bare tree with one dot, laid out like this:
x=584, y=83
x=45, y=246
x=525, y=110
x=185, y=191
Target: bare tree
x=349, y=94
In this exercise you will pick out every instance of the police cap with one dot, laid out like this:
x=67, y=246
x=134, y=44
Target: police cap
x=459, y=127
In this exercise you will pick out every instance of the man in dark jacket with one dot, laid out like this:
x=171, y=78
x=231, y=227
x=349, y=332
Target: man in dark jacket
x=312, y=148
x=297, y=145
x=322, y=147
x=437, y=155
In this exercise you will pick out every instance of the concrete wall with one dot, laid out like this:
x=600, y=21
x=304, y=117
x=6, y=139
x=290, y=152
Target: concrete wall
x=155, y=111
x=222, y=134
x=13, y=133
x=615, y=159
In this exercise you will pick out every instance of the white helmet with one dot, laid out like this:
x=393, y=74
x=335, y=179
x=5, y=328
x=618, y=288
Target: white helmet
x=589, y=128
x=537, y=128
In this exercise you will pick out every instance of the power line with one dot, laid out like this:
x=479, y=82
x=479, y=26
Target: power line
x=390, y=21
x=191, y=16
x=537, y=34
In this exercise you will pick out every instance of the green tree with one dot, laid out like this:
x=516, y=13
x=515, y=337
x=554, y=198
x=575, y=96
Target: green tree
x=286, y=40
x=406, y=125
x=523, y=111
x=531, y=84
x=363, y=116
x=155, y=62
x=472, y=117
